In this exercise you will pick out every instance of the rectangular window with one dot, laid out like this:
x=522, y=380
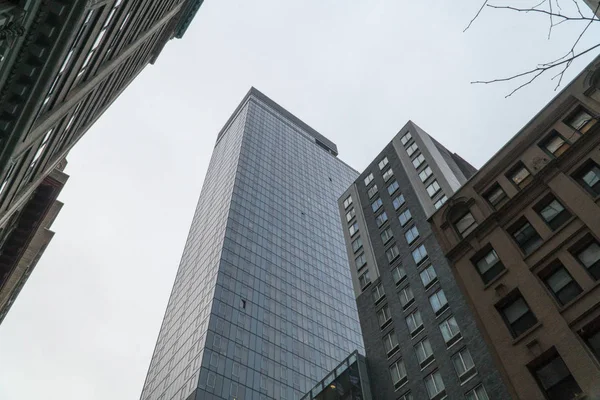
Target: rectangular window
x=411, y=149
x=520, y=175
x=450, y=331
x=411, y=234
x=561, y=283
x=368, y=179
x=589, y=178
x=390, y=343
x=364, y=280
x=381, y=219
x=581, y=120
x=517, y=315
x=424, y=352
x=552, y=212
x=406, y=297
x=465, y=224
x=383, y=163
x=404, y=217
x=555, y=144
x=378, y=293
x=398, y=372
x=393, y=187
x=464, y=365
x=419, y=254
x=384, y=317
x=478, y=393
x=386, y=235
x=398, y=202
x=433, y=188
x=399, y=274
x=589, y=257
x=361, y=261
x=407, y=396
x=350, y=214
x=489, y=265
x=376, y=204
x=347, y=202
x=435, y=386
x=392, y=253
x=426, y=173
x=428, y=276
x=496, y=196
x=353, y=229
x=592, y=338
x=418, y=160
x=438, y=204
x=372, y=191
x=388, y=174
x=404, y=139
x=357, y=244
x=414, y=323
x=438, y=302
x=526, y=237
x=555, y=379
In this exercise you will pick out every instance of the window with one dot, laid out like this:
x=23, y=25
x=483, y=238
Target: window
x=418, y=160
x=404, y=139
x=440, y=202
x=392, y=253
x=561, y=283
x=381, y=219
x=407, y=396
x=419, y=254
x=465, y=224
x=438, y=302
x=361, y=261
x=450, y=331
x=393, y=187
x=411, y=149
x=552, y=212
x=399, y=274
x=350, y=214
x=347, y=202
x=495, y=196
x=386, y=235
x=406, y=297
x=384, y=317
x=390, y=343
x=464, y=365
x=388, y=174
x=376, y=204
x=369, y=179
x=398, y=202
x=428, y=276
x=424, y=352
x=589, y=257
x=364, y=280
x=526, y=237
x=414, y=323
x=478, y=393
x=383, y=163
x=398, y=373
x=520, y=175
x=555, y=379
x=411, y=234
x=372, y=191
x=357, y=244
x=589, y=178
x=591, y=337
x=426, y=173
x=210, y=380
x=433, y=188
x=435, y=385
x=581, y=120
x=517, y=315
x=555, y=144
x=353, y=229
x=378, y=293
x=404, y=217
x=489, y=265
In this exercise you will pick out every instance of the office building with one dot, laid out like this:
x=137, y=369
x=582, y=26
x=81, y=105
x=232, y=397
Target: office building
x=421, y=341
x=523, y=237
x=62, y=64
x=262, y=304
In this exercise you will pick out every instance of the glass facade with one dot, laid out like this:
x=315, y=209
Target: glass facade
x=262, y=306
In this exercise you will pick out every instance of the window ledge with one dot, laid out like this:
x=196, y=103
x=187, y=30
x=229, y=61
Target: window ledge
x=528, y=332
x=495, y=279
x=578, y=297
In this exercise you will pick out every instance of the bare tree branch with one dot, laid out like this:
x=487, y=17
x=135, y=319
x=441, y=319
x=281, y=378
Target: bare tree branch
x=583, y=18
x=578, y=9
x=551, y=22
x=477, y=15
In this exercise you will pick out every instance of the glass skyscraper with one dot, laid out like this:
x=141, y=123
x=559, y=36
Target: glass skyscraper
x=262, y=306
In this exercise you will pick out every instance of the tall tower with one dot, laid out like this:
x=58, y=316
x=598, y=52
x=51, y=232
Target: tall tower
x=262, y=306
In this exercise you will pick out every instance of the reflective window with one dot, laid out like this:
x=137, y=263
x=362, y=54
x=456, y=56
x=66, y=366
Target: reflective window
x=386, y=235
x=450, y=331
x=520, y=175
x=495, y=196
x=378, y=293
x=398, y=373
x=517, y=315
x=464, y=365
x=404, y=139
x=353, y=228
x=356, y=244
x=428, y=276
x=350, y=214
x=376, y=204
x=399, y=274
x=440, y=202
x=406, y=297
x=372, y=191
x=414, y=322
x=555, y=144
x=388, y=174
x=384, y=316
x=478, y=393
x=393, y=187
x=435, y=385
x=390, y=343
x=552, y=212
x=361, y=261
x=368, y=179
x=364, y=280
x=589, y=257
x=348, y=201
x=418, y=160
x=581, y=120
x=419, y=254
x=489, y=266
x=433, y=188
x=404, y=217
x=465, y=224
x=426, y=173
x=561, y=283
x=398, y=201
x=392, y=253
x=383, y=163
x=411, y=149
x=438, y=302
x=424, y=352
x=381, y=219
x=411, y=234
x=526, y=236
x=589, y=178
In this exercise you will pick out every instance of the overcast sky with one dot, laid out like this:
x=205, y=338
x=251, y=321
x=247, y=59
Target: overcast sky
x=85, y=324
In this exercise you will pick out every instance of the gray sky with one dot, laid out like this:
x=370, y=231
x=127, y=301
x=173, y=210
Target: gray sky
x=85, y=324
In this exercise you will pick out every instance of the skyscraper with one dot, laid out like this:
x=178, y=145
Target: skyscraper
x=421, y=340
x=262, y=304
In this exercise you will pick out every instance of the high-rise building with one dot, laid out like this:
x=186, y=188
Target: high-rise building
x=523, y=239
x=262, y=304
x=420, y=337
x=62, y=64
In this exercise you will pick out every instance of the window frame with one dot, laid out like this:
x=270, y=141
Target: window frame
x=424, y=170
x=376, y=204
x=497, y=268
x=418, y=328
x=362, y=263
x=476, y=396
x=464, y=232
x=440, y=202
x=400, y=200
x=415, y=236
x=379, y=289
x=383, y=163
x=390, y=250
x=428, y=358
x=391, y=188
x=361, y=281
x=551, y=271
x=510, y=300
x=350, y=229
x=468, y=373
x=404, y=295
x=381, y=219
x=385, y=311
x=388, y=233
x=513, y=172
x=402, y=379
x=583, y=245
x=408, y=137
x=588, y=167
x=368, y=179
x=412, y=149
x=533, y=242
x=441, y=392
x=433, y=183
x=350, y=214
x=420, y=159
x=433, y=280
x=400, y=269
x=583, y=129
x=360, y=244
x=454, y=338
x=347, y=202
x=372, y=191
x=423, y=257
x=388, y=174
x=549, y=138
x=443, y=307
x=404, y=214
x=559, y=219
x=394, y=347
x=500, y=201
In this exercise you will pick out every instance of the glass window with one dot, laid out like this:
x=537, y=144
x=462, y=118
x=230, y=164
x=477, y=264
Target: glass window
x=581, y=120
x=441, y=202
x=406, y=297
x=398, y=201
x=369, y=179
x=419, y=254
x=350, y=214
x=517, y=315
x=433, y=188
x=378, y=293
x=555, y=144
x=404, y=217
x=418, y=160
x=381, y=219
x=388, y=174
x=384, y=316
x=589, y=257
x=464, y=365
x=526, y=237
x=489, y=266
x=424, y=352
x=356, y=244
x=392, y=253
x=361, y=261
x=426, y=173
x=372, y=191
x=592, y=339
x=383, y=163
x=364, y=280
x=407, y=396
x=398, y=373
x=414, y=322
x=435, y=385
x=495, y=196
x=478, y=393
x=348, y=201
x=589, y=178
x=393, y=187
x=376, y=204
x=555, y=379
x=552, y=212
x=353, y=229
x=428, y=276
x=561, y=284
x=438, y=302
x=390, y=343
x=411, y=234
x=386, y=235
x=450, y=331
x=411, y=149
x=404, y=139
x=399, y=274
x=520, y=175
x=465, y=224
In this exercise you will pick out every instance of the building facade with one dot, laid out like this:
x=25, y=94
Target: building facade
x=262, y=305
x=62, y=63
x=523, y=238
x=420, y=338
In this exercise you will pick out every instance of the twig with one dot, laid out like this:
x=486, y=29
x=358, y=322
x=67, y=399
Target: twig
x=476, y=15
x=592, y=19
x=578, y=9
x=551, y=22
